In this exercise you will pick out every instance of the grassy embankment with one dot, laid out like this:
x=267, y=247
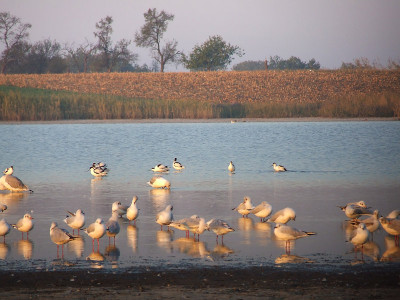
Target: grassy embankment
x=200, y=95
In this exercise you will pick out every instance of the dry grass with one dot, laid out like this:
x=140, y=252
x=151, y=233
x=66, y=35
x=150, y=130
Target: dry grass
x=222, y=87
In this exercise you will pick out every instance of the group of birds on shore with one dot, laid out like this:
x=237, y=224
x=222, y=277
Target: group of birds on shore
x=365, y=222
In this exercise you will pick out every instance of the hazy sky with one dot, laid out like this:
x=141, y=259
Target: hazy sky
x=331, y=31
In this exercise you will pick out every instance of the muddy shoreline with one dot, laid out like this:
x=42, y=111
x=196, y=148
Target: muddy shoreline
x=295, y=282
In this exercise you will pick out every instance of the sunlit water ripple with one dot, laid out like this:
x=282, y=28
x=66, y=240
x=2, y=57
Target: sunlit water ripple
x=329, y=163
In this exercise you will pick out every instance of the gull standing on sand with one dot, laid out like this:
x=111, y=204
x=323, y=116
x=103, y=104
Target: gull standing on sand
x=245, y=207
x=8, y=171
x=287, y=233
x=159, y=182
x=96, y=230
x=75, y=220
x=177, y=165
x=165, y=217
x=392, y=227
x=231, y=167
x=278, y=168
x=112, y=226
x=262, y=210
x=355, y=209
x=132, y=212
x=219, y=227
x=59, y=236
x=12, y=183
x=119, y=208
x=3, y=207
x=4, y=229
x=25, y=224
x=283, y=216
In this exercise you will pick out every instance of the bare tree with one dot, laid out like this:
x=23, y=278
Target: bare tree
x=81, y=55
x=151, y=34
x=12, y=33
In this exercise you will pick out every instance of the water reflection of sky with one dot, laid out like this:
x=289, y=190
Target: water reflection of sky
x=318, y=155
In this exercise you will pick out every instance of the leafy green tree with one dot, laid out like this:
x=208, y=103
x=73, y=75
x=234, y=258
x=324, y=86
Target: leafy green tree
x=151, y=36
x=12, y=33
x=293, y=63
x=213, y=54
x=250, y=65
x=45, y=57
x=112, y=56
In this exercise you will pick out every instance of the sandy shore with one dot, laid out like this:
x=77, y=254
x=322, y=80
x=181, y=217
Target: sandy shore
x=294, y=282
x=228, y=120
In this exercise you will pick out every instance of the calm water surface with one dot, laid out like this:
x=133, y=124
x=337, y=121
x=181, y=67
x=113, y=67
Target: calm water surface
x=329, y=163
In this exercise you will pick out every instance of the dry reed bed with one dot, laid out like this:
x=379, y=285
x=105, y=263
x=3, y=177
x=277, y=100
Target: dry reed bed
x=221, y=87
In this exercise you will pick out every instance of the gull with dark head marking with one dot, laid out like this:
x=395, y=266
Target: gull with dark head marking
x=244, y=207
x=99, y=169
x=59, y=236
x=25, y=224
x=75, y=220
x=262, y=210
x=3, y=207
x=160, y=168
x=231, y=167
x=287, y=233
x=283, y=216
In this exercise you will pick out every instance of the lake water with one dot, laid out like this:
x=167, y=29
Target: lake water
x=329, y=164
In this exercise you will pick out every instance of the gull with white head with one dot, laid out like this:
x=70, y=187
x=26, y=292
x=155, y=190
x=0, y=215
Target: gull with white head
x=219, y=227
x=132, y=212
x=96, y=230
x=159, y=182
x=12, y=183
x=59, y=236
x=287, y=234
x=119, y=208
x=4, y=229
x=165, y=217
x=25, y=224
x=112, y=226
x=283, y=216
x=75, y=220
x=244, y=207
x=262, y=210
x=278, y=168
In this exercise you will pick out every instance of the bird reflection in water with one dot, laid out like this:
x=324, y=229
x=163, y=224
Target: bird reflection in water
x=11, y=199
x=392, y=252
x=4, y=249
x=220, y=251
x=245, y=226
x=263, y=232
x=164, y=240
x=160, y=198
x=96, y=259
x=112, y=254
x=25, y=248
x=76, y=246
x=132, y=233
x=191, y=247
x=292, y=259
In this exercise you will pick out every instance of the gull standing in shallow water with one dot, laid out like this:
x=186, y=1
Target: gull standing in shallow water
x=24, y=224
x=392, y=227
x=165, y=217
x=132, y=212
x=262, y=210
x=372, y=223
x=287, y=233
x=219, y=227
x=59, y=236
x=75, y=220
x=160, y=168
x=96, y=230
x=112, y=226
x=361, y=236
x=4, y=229
x=355, y=209
x=99, y=169
x=245, y=207
x=283, y=216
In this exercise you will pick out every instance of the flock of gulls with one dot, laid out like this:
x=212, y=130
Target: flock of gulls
x=363, y=220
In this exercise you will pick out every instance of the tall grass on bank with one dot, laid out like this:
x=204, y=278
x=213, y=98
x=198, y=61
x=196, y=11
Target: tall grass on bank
x=29, y=104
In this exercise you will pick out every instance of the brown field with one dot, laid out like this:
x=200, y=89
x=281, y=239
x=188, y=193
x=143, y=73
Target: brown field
x=222, y=87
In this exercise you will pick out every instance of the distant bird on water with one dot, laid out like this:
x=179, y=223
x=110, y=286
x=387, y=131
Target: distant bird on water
x=11, y=182
x=160, y=168
x=159, y=182
x=231, y=167
x=177, y=165
x=278, y=168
